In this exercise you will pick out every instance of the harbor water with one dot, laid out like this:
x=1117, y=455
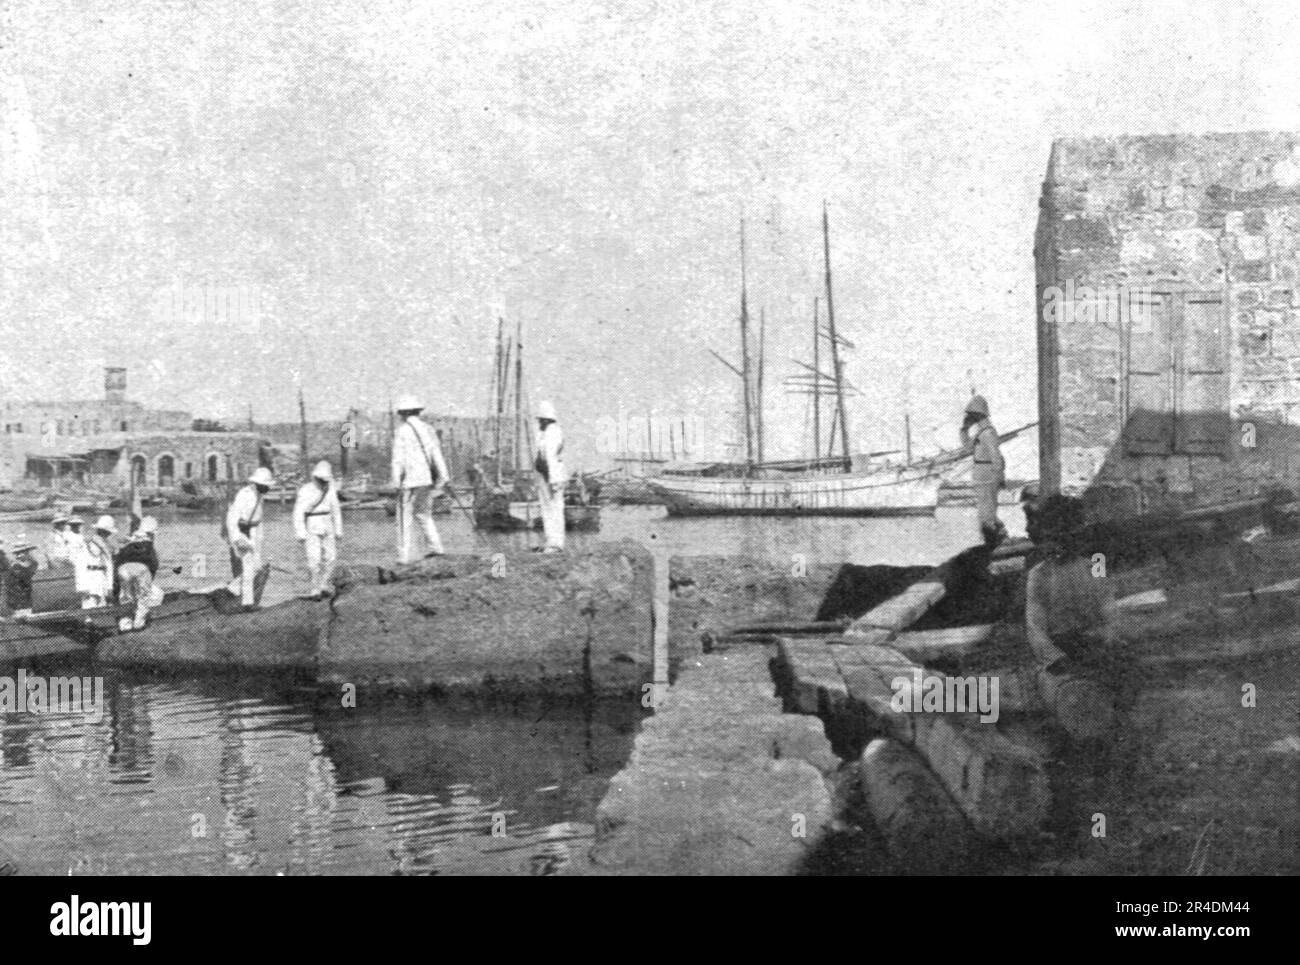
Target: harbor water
x=213, y=774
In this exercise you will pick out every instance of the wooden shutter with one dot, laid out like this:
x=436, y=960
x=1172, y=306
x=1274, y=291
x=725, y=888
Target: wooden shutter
x=1202, y=407
x=1149, y=410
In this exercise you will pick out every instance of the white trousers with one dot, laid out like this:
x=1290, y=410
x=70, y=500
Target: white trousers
x=415, y=505
x=134, y=586
x=322, y=552
x=552, y=506
x=248, y=572
x=986, y=505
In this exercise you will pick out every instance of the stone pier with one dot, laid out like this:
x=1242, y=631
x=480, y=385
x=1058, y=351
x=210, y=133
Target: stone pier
x=720, y=780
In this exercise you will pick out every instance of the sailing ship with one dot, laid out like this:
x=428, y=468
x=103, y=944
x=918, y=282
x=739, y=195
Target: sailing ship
x=830, y=485
x=505, y=491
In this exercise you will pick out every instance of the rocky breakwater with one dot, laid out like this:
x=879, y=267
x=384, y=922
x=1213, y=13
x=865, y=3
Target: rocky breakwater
x=576, y=624
x=197, y=633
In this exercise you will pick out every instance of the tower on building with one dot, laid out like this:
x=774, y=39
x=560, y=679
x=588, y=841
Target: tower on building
x=114, y=384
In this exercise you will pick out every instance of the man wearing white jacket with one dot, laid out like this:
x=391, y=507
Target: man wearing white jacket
x=419, y=473
x=244, y=532
x=318, y=522
x=93, y=562
x=551, y=476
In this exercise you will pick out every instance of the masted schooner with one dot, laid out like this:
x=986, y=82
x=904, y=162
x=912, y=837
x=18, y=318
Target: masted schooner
x=830, y=485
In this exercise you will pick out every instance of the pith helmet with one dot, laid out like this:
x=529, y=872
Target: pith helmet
x=323, y=470
x=75, y=521
x=107, y=524
x=409, y=403
x=59, y=518
x=148, y=526
x=547, y=411
x=262, y=477
x=978, y=405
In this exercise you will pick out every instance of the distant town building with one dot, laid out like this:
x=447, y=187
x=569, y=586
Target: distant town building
x=1168, y=281
x=107, y=442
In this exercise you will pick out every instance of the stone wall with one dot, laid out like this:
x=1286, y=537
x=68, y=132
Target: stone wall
x=1168, y=282
x=236, y=455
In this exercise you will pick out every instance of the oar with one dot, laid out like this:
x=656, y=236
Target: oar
x=473, y=528
x=401, y=521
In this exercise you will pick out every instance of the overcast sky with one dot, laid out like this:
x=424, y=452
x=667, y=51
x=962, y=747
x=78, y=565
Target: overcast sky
x=380, y=180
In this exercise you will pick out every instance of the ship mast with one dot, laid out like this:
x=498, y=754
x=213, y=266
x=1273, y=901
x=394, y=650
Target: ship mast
x=744, y=354
x=817, y=389
x=836, y=365
x=519, y=396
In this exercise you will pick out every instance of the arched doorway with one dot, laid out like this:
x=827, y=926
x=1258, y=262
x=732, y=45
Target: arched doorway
x=214, y=463
x=139, y=468
x=166, y=471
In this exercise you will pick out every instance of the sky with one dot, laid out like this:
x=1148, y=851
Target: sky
x=236, y=199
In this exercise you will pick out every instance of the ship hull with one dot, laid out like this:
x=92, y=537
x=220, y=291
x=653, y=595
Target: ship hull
x=878, y=493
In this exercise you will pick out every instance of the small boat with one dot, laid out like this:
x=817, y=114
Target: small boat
x=501, y=512
x=630, y=491
x=28, y=516
x=359, y=505
x=577, y=519
x=59, y=626
x=24, y=502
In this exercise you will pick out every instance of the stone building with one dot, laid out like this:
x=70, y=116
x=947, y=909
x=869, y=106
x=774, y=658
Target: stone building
x=1168, y=284
x=102, y=442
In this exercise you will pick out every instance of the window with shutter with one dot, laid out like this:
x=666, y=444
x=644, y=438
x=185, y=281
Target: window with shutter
x=1202, y=400
x=1148, y=409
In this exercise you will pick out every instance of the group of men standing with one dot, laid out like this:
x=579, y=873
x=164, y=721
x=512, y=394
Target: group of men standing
x=419, y=474
x=105, y=571
x=317, y=522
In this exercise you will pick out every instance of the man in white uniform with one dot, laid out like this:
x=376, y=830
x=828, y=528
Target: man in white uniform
x=57, y=548
x=419, y=473
x=551, y=476
x=988, y=470
x=244, y=531
x=93, y=564
x=318, y=523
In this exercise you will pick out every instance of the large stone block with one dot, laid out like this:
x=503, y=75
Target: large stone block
x=572, y=623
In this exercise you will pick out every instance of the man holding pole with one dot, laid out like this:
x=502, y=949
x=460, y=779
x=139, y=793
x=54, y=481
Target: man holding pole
x=987, y=473
x=244, y=531
x=551, y=477
x=419, y=473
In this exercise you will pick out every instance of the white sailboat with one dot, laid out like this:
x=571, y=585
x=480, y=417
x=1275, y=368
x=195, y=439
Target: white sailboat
x=823, y=486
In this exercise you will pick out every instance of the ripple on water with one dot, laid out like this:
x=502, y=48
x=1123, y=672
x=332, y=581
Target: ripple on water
x=210, y=777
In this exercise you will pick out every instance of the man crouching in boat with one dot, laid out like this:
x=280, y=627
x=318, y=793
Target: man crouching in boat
x=318, y=523
x=244, y=530
x=137, y=566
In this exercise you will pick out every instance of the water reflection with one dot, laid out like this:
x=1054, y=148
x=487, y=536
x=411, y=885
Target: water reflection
x=208, y=777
